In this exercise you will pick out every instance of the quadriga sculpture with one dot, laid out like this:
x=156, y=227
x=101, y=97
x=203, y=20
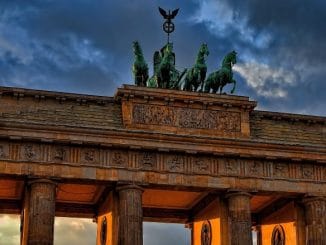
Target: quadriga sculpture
x=195, y=76
x=139, y=68
x=218, y=79
x=165, y=73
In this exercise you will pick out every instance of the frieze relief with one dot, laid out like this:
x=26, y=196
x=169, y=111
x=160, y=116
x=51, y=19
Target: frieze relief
x=31, y=152
x=118, y=158
x=231, y=166
x=165, y=162
x=254, y=168
x=281, y=170
x=175, y=163
x=201, y=165
x=186, y=118
x=147, y=160
x=59, y=154
x=89, y=156
x=307, y=171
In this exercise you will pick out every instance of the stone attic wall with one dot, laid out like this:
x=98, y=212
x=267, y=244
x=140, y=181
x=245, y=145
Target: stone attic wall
x=33, y=107
x=288, y=128
x=61, y=111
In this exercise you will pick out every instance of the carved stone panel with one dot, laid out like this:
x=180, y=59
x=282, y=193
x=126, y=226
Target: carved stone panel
x=59, y=154
x=186, y=118
x=231, y=166
x=90, y=156
x=119, y=158
x=30, y=152
x=175, y=163
x=201, y=165
x=254, y=168
x=147, y=160
x=307, y=171
x=281, y=170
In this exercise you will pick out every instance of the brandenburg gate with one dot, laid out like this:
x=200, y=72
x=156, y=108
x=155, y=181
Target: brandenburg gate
x=209, y=161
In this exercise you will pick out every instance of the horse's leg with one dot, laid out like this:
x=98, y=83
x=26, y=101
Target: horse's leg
x=186, y=85
x=201, y=86
x=159, y=81
x=221, y=88
x=221, y=83
x=195, y=87
x=234, y=83
x=206, y=87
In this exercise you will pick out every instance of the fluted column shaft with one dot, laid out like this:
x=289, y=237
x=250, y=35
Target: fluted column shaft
x=130, y=215
x=239, y=218
x=315, y=213
x=41, y=212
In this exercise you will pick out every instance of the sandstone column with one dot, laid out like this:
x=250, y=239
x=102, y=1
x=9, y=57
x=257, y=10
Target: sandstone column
x=41, y=212
x=130, y=215
x=315, y=213
x=239, y=218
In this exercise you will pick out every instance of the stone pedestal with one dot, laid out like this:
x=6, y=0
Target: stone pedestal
x=41, y=212
x=130, y=215
x=315, y=212
x=239, y=218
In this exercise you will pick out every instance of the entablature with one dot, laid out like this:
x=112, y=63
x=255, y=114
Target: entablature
x=150, y=167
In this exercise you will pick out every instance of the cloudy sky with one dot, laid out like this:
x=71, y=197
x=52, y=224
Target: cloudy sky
x=85, y=46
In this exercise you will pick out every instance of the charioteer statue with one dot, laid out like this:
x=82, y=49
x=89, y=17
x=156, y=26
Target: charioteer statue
x=167, y=76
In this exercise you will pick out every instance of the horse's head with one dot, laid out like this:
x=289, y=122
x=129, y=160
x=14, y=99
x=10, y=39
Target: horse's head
x=232, y=57
x=204, y=49
x=136, y=46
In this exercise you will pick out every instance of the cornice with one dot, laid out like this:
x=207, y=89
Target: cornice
x=122, y=138
x=20, y=93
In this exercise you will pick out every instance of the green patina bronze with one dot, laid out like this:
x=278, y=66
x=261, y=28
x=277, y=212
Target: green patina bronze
x=218, y=79
x=139, y=68
x=165, y=73
x=195, y=76
x=167, y=76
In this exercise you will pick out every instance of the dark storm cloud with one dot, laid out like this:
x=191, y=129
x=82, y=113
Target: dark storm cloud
x=287, y=36
x=299, y=45
x=79, y=46
x=85, y=46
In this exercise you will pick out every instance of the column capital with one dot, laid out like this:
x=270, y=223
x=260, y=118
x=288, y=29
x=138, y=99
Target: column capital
x=122, y=187
x=44, y=181
x=309, y=199
x=237, y=193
